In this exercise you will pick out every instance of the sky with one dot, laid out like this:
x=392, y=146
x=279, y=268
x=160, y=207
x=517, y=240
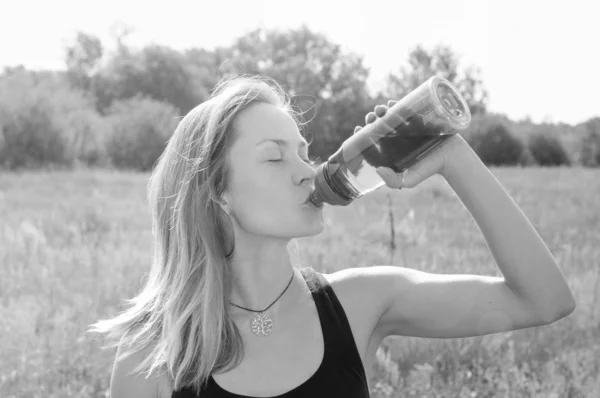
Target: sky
x=538, y=59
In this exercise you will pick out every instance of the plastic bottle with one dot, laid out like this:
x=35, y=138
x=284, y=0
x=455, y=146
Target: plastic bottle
x=408, y=131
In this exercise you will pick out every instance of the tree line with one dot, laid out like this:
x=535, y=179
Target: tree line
x=117, y=109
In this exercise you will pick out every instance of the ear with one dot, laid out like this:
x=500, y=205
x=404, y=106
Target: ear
x=224, y=203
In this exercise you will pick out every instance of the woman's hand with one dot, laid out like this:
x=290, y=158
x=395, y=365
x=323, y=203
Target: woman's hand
x=435, y=162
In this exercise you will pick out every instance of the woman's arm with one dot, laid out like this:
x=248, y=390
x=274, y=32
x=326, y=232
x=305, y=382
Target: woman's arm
x=408, y=302
x=529, y=269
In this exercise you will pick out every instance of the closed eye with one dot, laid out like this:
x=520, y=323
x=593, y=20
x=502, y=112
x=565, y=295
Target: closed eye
x=308, y=161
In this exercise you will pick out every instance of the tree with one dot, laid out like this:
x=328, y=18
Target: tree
x=157, y=72
x=140, y=129
x=548, y=150
x=82, y=59
x=325, y=83
x=590, y=142
x=496, y=145
x=203, y=68
x=441, y=61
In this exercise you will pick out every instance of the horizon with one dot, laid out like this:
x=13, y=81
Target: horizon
x=553, y=54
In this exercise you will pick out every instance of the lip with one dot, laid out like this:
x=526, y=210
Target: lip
x=308, y=203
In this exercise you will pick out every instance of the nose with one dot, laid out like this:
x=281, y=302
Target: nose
x=306, y=174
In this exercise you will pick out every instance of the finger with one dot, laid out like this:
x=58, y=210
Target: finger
x=391, y=178
x=370, y=117
x=357, y=129
x=380, y=110
x=391, y=103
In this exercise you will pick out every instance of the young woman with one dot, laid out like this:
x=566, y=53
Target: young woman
x=225, y=313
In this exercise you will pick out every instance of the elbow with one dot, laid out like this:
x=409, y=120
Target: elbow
x=569, y=305
x=559, y=305
x=569, y=308
x=562, y=311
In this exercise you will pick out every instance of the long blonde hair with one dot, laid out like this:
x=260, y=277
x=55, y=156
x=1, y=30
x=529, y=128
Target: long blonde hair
x=182, y=312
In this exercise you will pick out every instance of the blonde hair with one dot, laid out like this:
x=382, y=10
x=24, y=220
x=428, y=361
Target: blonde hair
x=181, y=313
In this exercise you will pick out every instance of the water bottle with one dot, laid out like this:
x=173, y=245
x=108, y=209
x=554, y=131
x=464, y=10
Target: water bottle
x=409, y=130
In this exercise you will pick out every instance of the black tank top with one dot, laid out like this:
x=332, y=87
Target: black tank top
x=341, y=373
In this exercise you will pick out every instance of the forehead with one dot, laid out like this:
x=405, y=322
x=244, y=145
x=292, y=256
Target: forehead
x=262, y=121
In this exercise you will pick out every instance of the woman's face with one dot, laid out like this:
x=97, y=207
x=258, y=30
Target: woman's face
x=269, y=181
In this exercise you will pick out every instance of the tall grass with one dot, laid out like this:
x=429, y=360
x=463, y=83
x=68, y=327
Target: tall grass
x=74, y=245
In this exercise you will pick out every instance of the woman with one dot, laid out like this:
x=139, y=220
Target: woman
x=225, y=313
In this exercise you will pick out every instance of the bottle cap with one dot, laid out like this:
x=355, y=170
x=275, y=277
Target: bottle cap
x=324, y=193
x=449, y=104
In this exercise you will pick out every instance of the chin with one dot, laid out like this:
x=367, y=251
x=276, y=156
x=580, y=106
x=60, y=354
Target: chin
x=305, y=232
x=318, y=228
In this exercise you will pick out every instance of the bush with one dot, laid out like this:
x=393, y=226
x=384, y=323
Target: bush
x=590, y=151
x=43, y=122
x=548, y=150
x=30, y=137
x=590, y=143
x=493, y=142
x=87, y=132
x=140, y=128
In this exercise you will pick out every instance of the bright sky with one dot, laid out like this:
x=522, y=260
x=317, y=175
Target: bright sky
x=537, y=58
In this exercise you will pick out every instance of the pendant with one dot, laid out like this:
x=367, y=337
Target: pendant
x=262, y=324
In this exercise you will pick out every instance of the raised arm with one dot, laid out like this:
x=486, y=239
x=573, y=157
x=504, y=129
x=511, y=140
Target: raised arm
x=532, y=291
x=529, y=269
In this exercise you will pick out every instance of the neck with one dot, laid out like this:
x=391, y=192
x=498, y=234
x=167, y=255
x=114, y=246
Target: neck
x=259, y=279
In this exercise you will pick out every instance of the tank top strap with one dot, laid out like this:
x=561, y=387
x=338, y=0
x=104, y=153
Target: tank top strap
x=337, y=332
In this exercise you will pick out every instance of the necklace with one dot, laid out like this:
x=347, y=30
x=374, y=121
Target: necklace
x=262, y=324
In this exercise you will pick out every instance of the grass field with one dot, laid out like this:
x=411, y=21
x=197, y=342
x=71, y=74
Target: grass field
x=74, y=245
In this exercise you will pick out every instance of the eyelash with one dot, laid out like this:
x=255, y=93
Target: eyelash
x=309, y=161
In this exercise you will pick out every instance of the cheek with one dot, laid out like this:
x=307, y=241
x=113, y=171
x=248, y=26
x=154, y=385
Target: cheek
x=262, y=218
x=250, y=188
x=262, y=206
x=258, y=194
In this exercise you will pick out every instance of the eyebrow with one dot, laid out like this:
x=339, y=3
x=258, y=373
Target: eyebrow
x=284, y=143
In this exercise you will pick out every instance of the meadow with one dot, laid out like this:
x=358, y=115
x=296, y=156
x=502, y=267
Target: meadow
x=75, y=245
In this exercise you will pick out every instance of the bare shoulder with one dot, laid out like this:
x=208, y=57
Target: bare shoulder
x=361, y=285
x=360, y=292
x=124, y=382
